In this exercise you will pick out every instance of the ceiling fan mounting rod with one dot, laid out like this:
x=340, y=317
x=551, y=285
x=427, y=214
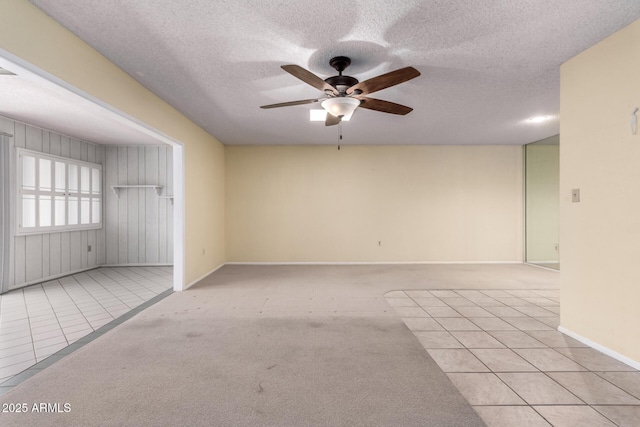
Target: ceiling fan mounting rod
x=340, y=82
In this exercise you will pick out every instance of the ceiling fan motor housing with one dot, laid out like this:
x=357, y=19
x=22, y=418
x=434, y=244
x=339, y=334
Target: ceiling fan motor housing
x=342, y=83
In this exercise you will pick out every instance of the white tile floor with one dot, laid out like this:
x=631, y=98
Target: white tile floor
x=40, y=320
x=503, y=352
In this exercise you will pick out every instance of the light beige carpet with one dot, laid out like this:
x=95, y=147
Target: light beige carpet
x=281, y=346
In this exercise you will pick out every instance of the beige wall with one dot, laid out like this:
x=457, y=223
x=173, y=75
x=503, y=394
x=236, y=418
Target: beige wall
x=31, y=35
x=599, y=237
x=542, y=188
x=423, y=203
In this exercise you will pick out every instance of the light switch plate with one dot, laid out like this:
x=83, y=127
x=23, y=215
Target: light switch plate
x=575, y=195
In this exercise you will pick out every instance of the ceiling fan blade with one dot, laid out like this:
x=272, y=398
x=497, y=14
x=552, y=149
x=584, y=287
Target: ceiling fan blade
x=288, y=104
x=384, y=106
x=309, y=78
x=332, y=120
x=384, y=81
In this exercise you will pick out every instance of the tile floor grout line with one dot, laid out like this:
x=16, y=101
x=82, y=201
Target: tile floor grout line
x=96, y=300
x=33, y=345
x=85, y=295
x=543, y=417
x=435, y=319
x=62, y=329
x=142, y=285
x=127, y=277
x=613, y=384
x=499, y=379
x=467, y=348
x=56, y=316
x=548, y=404
x=101, y=284
x=151, y=272
x=76, y=305
x=612, y=421
x=530, y=333
x=546, y=373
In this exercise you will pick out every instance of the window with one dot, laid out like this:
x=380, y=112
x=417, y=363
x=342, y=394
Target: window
x=57, y=194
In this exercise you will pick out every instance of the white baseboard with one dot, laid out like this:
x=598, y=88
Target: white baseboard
x=601, y=348
x=134, y=265
x=82, y=270
x=49, y=278
x=193, y=282
x=373, y=263
x=557, y=270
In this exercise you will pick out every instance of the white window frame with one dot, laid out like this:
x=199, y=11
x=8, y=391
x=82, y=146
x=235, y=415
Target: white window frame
x=53, y=193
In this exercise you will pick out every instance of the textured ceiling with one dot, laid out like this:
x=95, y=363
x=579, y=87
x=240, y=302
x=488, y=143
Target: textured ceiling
x=51, y=108
x=486, y=66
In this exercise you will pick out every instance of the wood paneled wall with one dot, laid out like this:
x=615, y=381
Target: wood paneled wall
x=39, y=256
x=138, y=223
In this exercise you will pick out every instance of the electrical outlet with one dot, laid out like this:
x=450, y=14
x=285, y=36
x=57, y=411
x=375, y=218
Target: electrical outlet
x=575, y=195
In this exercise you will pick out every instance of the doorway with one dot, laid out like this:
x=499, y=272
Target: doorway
x=94, y=117
x=542, y=192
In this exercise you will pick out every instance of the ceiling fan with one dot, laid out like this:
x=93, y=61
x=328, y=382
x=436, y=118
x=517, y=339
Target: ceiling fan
x=343, y=94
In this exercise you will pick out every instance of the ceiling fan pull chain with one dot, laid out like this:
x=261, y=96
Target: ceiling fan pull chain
x=339, y=134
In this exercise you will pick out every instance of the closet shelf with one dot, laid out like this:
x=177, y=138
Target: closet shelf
x=116, y=188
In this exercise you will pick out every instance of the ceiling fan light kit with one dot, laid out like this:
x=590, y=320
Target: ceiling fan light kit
x=343, y=94
x=340, y=106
